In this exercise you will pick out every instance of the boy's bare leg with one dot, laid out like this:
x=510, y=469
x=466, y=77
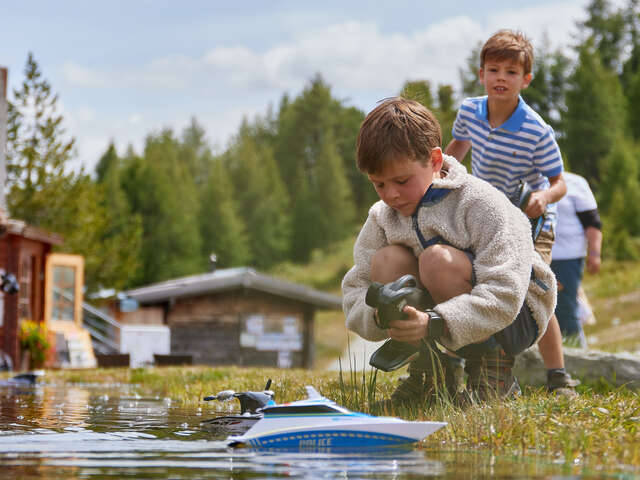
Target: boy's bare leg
x=392, y=262
x=445, y=271
x=389, y=264
x=550, y=345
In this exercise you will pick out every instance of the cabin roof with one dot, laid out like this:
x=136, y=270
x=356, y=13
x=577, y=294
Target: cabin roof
x=233, y=279
x=23, y=229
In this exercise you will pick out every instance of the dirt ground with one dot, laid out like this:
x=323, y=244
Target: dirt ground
x=618, y=323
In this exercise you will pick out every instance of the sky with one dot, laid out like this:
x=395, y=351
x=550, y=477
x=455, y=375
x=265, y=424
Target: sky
x=125, y=69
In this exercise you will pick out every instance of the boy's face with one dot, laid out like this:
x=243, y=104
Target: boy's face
x=403, y=182
x=503, y=79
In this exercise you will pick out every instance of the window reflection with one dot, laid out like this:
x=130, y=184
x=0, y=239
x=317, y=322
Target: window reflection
x=64, y=284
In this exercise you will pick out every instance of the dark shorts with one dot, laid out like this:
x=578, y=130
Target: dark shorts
x=513, y=339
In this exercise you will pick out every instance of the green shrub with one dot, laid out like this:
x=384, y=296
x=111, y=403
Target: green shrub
x=33, y=339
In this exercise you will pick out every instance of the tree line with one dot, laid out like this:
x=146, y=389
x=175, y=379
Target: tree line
x=287, y=185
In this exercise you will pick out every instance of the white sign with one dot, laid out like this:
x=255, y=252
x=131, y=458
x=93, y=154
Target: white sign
x=142, y=341
x=279, y=341
x=255, y=324
x=285, y=359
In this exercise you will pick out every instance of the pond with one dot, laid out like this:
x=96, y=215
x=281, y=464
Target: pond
x=93, y=432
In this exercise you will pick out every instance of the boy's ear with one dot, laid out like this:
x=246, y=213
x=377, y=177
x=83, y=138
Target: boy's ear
x=436, y=159
x=527, y=80
x=481, y=75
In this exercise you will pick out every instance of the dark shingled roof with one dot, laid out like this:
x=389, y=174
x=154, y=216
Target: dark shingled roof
x=232, y=279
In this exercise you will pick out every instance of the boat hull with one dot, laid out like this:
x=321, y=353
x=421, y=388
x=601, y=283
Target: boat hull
x=377, y=433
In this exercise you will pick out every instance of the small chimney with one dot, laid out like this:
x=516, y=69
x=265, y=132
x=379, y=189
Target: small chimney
x=213, y=262
x=3, y=135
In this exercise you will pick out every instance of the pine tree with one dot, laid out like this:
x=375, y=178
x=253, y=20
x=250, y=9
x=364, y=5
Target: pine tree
x=471, y=86
x=606, y=28
x=117, y=265
x=545, y=93
x=38, y=147
x=619, y=199
x=222, y=228
x=332, y=196
x=445, y=113
x=310, y=127
x=46, y=193
x=161, y=190
x=195, y=154
x=633, y=98
x=420, y=91
x=595, y=115
x=345, y=132
x=262, y=199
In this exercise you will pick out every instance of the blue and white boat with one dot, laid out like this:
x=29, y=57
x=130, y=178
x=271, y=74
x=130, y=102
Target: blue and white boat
x=320, y=423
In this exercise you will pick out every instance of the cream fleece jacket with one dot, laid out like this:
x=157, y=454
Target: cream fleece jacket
x=471, y=215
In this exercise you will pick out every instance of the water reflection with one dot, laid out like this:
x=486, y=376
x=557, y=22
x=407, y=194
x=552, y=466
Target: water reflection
x=93, y=432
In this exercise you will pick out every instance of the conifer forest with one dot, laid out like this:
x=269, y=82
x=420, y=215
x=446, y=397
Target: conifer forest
x=286, y=184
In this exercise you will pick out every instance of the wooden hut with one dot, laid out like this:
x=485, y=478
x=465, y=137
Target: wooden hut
x=23, y=253
x=234, y=316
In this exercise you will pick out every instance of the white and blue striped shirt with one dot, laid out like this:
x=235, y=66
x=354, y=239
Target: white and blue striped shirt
x=522, y=148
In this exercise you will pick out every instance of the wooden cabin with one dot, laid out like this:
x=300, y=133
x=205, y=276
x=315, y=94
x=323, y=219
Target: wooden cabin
x=50, y=292
x=233, y=316
x=23, y=252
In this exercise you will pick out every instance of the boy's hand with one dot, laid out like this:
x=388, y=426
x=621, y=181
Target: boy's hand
x=413, y=329
x=593, y=263
x=537, y=204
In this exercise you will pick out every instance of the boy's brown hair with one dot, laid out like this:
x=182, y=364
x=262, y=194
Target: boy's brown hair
x=508, y=45
x=396, y=127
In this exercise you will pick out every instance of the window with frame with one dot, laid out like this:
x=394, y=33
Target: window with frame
x=26, y=287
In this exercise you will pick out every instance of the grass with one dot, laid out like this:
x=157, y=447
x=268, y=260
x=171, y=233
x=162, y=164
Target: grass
x=614, y=294
x=600, y=429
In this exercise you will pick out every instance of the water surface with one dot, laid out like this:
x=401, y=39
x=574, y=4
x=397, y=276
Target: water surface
x=95, y=432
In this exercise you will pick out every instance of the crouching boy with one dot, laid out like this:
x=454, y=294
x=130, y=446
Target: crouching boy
x=462, y=240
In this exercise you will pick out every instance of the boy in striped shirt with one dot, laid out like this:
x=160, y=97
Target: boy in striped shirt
x=511, y=143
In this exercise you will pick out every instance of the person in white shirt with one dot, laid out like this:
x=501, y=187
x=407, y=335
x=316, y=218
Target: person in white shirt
x=578, y=238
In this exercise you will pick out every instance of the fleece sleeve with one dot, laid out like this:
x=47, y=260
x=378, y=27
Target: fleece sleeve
x=503, y=251
x=357, y=280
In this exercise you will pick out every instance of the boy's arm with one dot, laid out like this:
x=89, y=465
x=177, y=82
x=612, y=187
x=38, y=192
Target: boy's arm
x=540, y=198
x=594, y=246
x=458, y=148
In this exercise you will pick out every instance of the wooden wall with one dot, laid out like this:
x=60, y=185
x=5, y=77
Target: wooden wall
x=17, y=253
x=209, y=327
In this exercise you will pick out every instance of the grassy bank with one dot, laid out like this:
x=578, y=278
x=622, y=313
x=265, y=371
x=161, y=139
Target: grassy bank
x=599, y=429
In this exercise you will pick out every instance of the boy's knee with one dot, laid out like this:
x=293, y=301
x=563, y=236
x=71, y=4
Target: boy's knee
x=391, y=262
x=443, y=263
x=435, y=260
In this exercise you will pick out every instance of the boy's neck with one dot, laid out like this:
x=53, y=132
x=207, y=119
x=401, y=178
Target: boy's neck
x=499, y=111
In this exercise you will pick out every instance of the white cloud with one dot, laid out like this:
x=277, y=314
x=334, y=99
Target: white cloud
x=350, y=55
x=357, y=58
x=557, y=21
x=164, y=73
